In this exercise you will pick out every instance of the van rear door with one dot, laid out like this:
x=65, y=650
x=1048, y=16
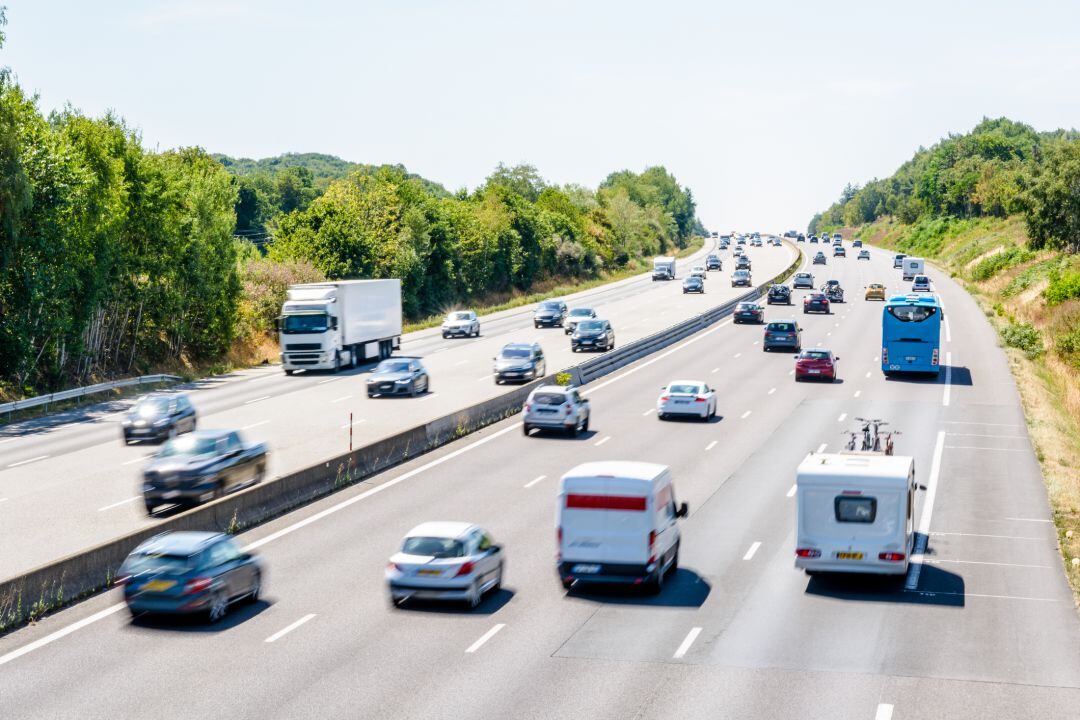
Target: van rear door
x=606, y=524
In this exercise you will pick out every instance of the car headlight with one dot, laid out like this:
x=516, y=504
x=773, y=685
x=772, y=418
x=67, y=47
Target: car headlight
x=402, y=381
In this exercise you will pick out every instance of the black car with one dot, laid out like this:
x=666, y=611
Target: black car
x=813, y=239
x=398, y=376
x=693, y=284
x=201, y=466
x=742, y=263
x=713, y=263
x=156, y=417
x=550, y=313
x=593, y=335
x=833, y=291
x=782, y=334
x=815, y=302
x=856, y=243
x=801, y=238
x=749, y=312
x=519, y=362
x=779, y=295
x=185, y=573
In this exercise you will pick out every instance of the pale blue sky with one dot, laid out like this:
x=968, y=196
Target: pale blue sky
x=765, y=109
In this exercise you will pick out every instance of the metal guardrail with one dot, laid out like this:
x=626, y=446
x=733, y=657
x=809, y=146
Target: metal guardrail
x=83, y=392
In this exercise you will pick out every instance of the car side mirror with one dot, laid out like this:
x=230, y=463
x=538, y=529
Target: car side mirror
x=683, y=510
x=836, y=359
x=245, y=557
x=495, y=549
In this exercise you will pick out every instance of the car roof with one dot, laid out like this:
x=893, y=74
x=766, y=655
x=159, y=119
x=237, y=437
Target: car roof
x=623, y=469
x=783, y=320
x=582, y=309
x=553, y=389
x=181, y=542
x=687, y=382
x=444, y=529
x=520, y=345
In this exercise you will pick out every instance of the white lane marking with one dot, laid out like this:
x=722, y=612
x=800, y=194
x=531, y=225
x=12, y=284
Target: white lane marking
x=715, y=370
x=755, y=342
x=650, y=411
x=843, y=416
x=602, y=440
x=738, y=355
x=867, y=373
x=857, y=393
x=977, y=447
x=687, y=642
x=459, y=363
x=822, y=446
x=877, y=359
x=791, y=492
x=533, y=482
x=745, y=415
x=771, y=391
x=27, y=462
x=791, y=371
x=946, y=395
x=258, y=399
x=1028, y=519
x=329, y=380
x=938, y=561
x=255, y=425
x=289, y=628
x=753, y=549
x=1003, y=437
x=62, y=632
x=484, y=638
x=948, y=331
x=1001, y=537
x=931, y=593
x=354, y=422
x=820, y=344
x=144, y=458
x=711, y=445
x=118, y=504
x=927, y=512
x=884, y=712
x=427, y=396
x=486, y=377
x=838, y=324
x=828, y=334
x=441, y=347
x=340, y=399
x=972, y=422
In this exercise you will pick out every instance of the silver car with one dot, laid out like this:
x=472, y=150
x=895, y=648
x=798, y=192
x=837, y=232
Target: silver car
x=445, y=561
x=555, y=407
x=577, y=315
x=461, y=323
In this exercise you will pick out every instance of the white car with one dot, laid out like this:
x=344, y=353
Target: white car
x=462, y=323
x=445, y=561
x=686, y=397
x=698, y=271
x=921, y=283
x=554, y=407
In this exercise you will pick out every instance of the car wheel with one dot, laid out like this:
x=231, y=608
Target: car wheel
x=498, y=581
x=674, y=561
x=289, y=372
x=525, y=428
x=256, y=589
x=412, y=389
x=444, y=336
x=475, y=596
x=219, y=606
x=573, y=430
x=656, y=583
x=661, y=416
x=567, y=584
x=585, y=426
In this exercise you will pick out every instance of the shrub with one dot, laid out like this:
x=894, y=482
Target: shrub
x=1063, y=287
x=991, y=266
x=1068, y=346
x=1024, y=337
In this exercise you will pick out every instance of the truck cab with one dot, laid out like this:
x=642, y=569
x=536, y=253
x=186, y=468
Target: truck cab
x=663, y=268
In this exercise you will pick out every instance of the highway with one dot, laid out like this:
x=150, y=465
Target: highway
x=985, y=628
x=68, y=482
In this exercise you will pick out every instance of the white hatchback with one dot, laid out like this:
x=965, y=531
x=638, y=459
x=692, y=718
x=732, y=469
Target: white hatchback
x=686, y=397
x=921, y=283
x=445, y=561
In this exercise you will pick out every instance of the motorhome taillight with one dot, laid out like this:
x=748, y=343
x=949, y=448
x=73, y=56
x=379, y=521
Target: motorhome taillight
x=808, y=552
x=891, y=557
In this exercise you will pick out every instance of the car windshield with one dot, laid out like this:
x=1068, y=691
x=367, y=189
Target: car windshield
x=781, y=327
x=308, y=323
x=392, y=366
x=550, y=306
x=803, y=276
x=459, y=316
x=684, y=389
x=778, y=289
x=549, y=398
x=692, y=281
x=515, y=353
x=590, y=325
x=814, y=355
x=157, y=563
x=188, y=445
x=746, y=306
x=875, y=286
x=581, y=312
x=434, y=546
x=911, y=313
x=741, y=273
x=151, y=407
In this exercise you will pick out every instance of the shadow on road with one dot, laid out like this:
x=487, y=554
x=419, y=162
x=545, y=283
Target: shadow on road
x=936, y=587
x=239, y=612
x=683, y=589
x=958, y=375
x=493, y=602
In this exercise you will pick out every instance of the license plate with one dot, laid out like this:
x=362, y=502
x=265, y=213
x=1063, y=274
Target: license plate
x=429, y=572
x=511, y=374
x=849, y=556
x=158, y=585
x=586, y=569
x=682, y=402
x=814, y=372
x=547, y=410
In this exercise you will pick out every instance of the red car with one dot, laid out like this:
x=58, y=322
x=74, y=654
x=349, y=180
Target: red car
x=815, y=364
x=815, y=302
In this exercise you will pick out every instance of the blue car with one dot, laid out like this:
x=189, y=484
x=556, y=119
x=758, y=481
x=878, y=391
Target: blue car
x=188, y=573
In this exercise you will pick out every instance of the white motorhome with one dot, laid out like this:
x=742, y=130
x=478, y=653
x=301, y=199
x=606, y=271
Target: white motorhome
x=663, y=268
x=855, y=513
x=330, y=325
x=617, y=524
x=913, y=266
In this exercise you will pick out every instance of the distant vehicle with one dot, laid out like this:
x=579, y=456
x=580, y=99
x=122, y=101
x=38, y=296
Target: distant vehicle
x=663, y=268
x=815, y=302
x=158, y=416
x=855, y=513
x=921, y=283
x=911, y=334
x=550, y=313
x=201, y=466
x=833, y=291
x=713, y=262
x=577, y=315
x=741, y=241
x=182, y=573
x=863, y=255
x=804, y=280
x=813, y=239
x=617, y=524
x=815, y=365
x=686, y=397
x=837, y=236
x=693, y=285
x=898, y=260
x=779, y=295
x=756, y=242
x=398, y=376
x=556, y=407
x=698, y=271
x=875, y=291
x=463, y=323
x=519, y=362
x=740, y=278
x=839, y=251
x=913, y=266
x=801, y=238
x=593, y=335
x=715, y=234
x=724, y=244
x=856, y=243
x=749, y=312
x=782, y=334
x=819, y=259
x=451, y=561
x=742, y=263
x=331, y=325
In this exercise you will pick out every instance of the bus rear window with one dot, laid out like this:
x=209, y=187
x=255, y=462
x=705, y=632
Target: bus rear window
x=911, y=313
x=855, y=509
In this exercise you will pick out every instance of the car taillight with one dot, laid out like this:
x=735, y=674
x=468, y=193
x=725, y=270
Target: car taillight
x=197, y=585
x=528, y=407
x=663, y=398
x=699, y=399
x=808, y=552
x=465, y=569
x=934, y=357
x=884, y=356
x=891, y=557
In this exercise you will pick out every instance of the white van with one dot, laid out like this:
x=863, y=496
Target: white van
x=617, y=524
x=663, y=268
x=855, y=513
x=913, y=266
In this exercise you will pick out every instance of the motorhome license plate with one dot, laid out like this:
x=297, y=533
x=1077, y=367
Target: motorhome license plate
x=849, y=556
x=586, y=569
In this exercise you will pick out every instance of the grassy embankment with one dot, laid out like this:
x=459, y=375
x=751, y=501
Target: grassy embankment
x=1033, y=300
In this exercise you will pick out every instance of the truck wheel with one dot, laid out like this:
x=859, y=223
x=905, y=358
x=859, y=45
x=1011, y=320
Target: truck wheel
x=337, y=361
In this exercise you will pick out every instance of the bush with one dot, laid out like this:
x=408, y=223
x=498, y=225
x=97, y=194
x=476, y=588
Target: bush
x=1068, y=346
x=991, y=266
x=1023, y=337
x=1063, y=287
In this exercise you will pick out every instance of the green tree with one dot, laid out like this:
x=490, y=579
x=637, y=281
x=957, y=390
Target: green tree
x=1053, y=201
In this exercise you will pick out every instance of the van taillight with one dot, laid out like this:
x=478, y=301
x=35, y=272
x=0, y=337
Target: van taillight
x=652, y=542
x=891, y=557
x=700, y=399
x=934, y=357
x=808, y=552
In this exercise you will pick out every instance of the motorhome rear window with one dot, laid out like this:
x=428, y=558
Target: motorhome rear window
x=855, y=509
x=605, y=502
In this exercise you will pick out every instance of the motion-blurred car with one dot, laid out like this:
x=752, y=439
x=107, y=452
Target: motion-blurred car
x=693, y=285
x=816, y=302
x=803, y=280
x=815, y=364
x=550, y=313
x=801, y=238
x=398, y=376
x=921, y=283
x=201, y=466
x=518, y=362
x=756, y=242
x=713, y=262
x=863, y=255
x=875, y=291
x=187, y=573
x=461, y=323
x=820, y=259
x=555, y=407
x=779, y=295
x=813, y=239
x=156, y=417
x=577, y=315
x=748, y=312
x=453, y=561
x=740, y=278
x=686, y=397
x=782, y=334
x=833, y=291
x=593, y=335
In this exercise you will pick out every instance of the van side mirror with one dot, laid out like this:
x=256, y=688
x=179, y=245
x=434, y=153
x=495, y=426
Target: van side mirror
x=683, y=510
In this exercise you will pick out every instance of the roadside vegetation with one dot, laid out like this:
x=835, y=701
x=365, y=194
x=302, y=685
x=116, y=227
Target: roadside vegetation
x=999, y=209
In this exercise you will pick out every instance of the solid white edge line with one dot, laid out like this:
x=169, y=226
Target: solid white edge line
x=484, y=638
x=753, y=549
x=289, y=628
x=136, y=460
x=884, y=712
x=915, y=568
x=946, y=396
x=258, y=399
x=52, y=637
x=791, y=492
x=254, y=425
x=534, y=481
x=27, y=462
x=687, y=642
x=118, y=504
x=650, y=411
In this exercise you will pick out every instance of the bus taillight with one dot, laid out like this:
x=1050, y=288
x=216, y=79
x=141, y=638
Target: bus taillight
x=884, y=356
x=934, y=357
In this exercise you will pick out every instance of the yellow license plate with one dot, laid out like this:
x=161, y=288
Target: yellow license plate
x=848, y=556
x=158, y=585
x=429, y=572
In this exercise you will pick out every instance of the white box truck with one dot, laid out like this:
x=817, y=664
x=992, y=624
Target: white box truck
x=617, y=524
x=331, y=325
x=663, y=268
x=855, y=513
x=913, y=266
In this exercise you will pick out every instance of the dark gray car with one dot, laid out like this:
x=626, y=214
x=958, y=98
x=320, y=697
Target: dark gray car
x=201, y=466
x=519, y=362
x=550, y=313
x=399, y=376
x=156, y=417
x=782, y=334
x=593, y=335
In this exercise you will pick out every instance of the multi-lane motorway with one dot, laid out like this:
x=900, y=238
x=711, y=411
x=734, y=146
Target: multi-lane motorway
x=987, y=629
x=67, y=483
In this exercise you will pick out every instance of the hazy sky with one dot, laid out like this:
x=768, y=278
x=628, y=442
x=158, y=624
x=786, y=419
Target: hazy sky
x=764, y=109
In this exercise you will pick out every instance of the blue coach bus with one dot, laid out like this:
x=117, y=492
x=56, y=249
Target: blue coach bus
x=911, y=334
